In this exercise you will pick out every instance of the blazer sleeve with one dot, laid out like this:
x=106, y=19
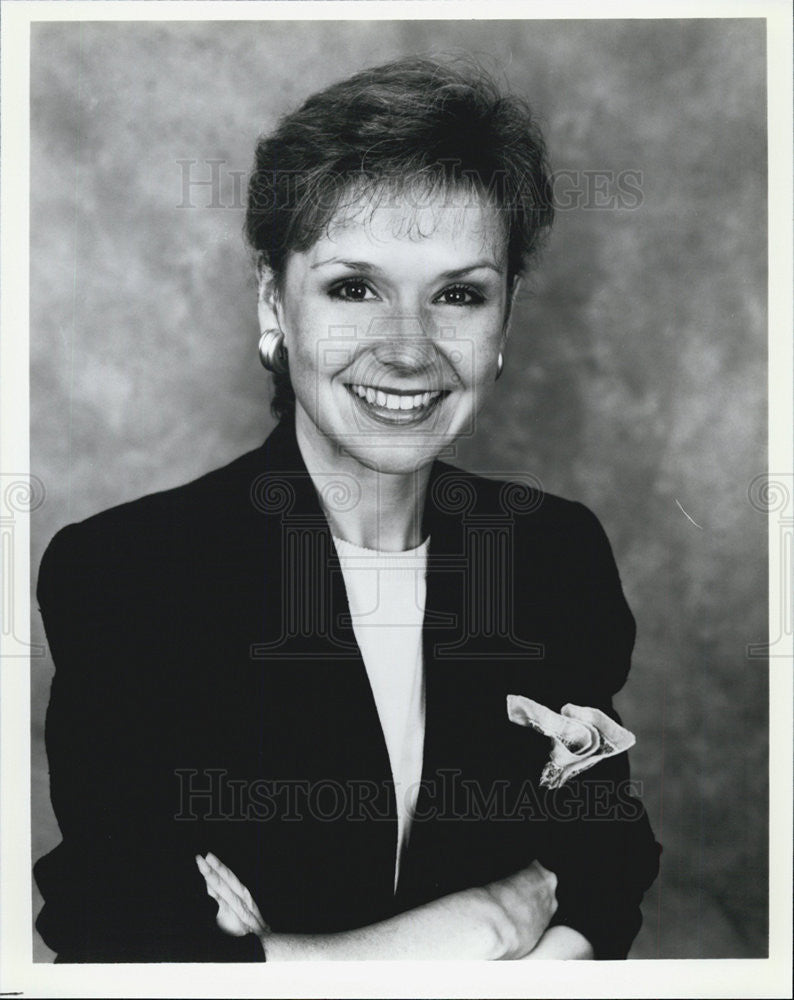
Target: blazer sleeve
x=599, y=841
x=122, y=886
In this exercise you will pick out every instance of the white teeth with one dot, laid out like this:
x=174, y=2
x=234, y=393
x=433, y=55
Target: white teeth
x=394, y=401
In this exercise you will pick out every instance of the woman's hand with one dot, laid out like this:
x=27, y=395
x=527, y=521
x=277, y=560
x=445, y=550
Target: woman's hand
x=526, y=903
x=238, y=914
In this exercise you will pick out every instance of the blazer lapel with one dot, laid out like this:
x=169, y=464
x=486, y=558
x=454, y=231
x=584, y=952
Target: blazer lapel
x=472, y=657
x=324, y=730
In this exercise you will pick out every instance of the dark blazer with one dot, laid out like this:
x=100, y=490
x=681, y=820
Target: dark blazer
x=209, y=695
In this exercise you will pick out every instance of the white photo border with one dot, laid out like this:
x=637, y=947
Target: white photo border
x=665, y=978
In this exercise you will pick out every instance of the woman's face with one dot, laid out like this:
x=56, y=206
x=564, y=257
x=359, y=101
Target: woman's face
x=393, y=321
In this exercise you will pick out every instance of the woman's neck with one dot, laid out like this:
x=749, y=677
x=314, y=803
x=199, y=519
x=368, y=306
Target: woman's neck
x=368, y=507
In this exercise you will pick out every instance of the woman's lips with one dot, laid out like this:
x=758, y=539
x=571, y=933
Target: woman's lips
x=396, y=406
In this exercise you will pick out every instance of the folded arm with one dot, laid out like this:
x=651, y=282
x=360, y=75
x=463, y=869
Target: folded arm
x=503, y=920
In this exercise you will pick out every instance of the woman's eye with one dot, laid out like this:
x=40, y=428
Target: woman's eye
x=460, y=295
x=352, y=290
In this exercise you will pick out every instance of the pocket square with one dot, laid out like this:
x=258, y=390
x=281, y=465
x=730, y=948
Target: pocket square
x=580, y=736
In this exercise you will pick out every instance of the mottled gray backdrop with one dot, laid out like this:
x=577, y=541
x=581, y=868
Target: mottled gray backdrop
x=635, y=378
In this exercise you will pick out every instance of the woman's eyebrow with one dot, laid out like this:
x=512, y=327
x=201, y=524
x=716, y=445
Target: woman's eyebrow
x=354, y=265
x=363, y=266
x=459, y=272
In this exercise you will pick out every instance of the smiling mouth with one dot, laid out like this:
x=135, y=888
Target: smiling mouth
x=396, y=406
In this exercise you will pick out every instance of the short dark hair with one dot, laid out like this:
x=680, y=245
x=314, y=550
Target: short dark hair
x=412, y=123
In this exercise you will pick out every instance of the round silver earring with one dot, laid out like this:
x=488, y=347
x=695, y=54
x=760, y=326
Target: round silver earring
x=500, y=363
x=272, y=352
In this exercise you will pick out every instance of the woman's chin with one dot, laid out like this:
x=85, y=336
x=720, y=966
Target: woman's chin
x=392, y=442
x=392, y=455
x=395, y=443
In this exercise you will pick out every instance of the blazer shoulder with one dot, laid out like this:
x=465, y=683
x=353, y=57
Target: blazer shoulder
x=522, y=498
x=155, y=524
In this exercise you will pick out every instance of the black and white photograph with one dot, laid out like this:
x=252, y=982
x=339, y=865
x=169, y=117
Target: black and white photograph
x=408, y=558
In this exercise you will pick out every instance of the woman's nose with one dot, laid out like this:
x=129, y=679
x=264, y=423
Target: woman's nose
x=394, y=331
x=408, y=346
x=406, y=356
x=413, y=328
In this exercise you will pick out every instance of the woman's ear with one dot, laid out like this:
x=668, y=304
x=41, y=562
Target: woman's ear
x=267, y=299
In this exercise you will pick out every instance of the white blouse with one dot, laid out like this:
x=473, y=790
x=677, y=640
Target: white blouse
x=386, y=593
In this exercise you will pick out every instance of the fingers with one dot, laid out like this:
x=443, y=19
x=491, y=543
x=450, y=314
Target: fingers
x=534, y=878
x=548, y=876
x=549, y=881
x=530, y=894
x=252, y=910
x=226, y=874
x=226, y=919
x=206, y=871
x=219, y=890
x=263, y=927
x=224, y=886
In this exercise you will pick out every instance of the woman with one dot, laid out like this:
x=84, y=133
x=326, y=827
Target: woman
x=278, y=724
